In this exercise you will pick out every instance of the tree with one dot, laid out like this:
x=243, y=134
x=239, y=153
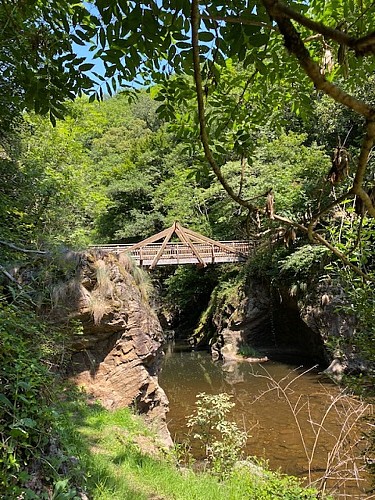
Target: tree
x=185, y=46
x=329, y=44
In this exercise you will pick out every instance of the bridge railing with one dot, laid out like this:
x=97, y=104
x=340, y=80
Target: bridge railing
x=176, y=253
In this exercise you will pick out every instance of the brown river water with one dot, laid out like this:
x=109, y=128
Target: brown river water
x=296, y=419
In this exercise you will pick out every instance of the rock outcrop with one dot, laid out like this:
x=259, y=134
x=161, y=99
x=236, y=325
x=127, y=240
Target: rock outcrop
x=270, y=321
x=118, y=351
x=282, y=326
x=245, y=322
x=324, y=310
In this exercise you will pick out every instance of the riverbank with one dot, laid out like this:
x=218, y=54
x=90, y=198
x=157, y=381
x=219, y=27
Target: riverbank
x=121, y=460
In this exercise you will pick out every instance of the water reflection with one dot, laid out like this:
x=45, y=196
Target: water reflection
x=284, y=418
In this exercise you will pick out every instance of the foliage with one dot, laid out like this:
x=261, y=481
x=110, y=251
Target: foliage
x=359, y=294
x=301, y=268
x=358, y=303
x=50, y=197
x=33, y=460
x=115, y=172
x=238, y=63
x=272, y=485
x=248, y=352
x=122, y=460
x=39, y=64
x=222, y=440
x=294, y=171
x=302, y=261
x=155, y=43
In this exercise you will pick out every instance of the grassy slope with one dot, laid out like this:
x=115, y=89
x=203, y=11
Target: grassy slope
x=108, y=445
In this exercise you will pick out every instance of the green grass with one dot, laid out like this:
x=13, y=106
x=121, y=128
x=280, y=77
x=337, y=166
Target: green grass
x=116, y=467
x=249, y=352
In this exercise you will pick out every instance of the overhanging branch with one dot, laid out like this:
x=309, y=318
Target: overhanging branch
x=328, y=32
x=23, y=250
x=295, y=44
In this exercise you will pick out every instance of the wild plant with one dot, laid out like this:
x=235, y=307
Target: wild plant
x=221, y=439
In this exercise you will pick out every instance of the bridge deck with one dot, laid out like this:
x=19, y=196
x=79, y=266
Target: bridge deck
x=181, y=253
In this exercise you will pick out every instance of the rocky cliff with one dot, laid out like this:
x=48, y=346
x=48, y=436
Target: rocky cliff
x=117, y=350
x=269, y=320
x=324, y=310
x=282, y=325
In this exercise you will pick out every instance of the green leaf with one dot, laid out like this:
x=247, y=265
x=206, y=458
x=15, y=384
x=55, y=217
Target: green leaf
x=27, y=422
x=77, y=40
x=206, y=36
x=17, y=432
x=183, y=45
x=109, y=89
x=221, y=150
x=86, y=67
x=102, y=38
x=5, y=401
x=258, y=40
x=261, y=67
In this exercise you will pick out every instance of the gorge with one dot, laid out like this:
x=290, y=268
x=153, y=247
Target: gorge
x=118, y=356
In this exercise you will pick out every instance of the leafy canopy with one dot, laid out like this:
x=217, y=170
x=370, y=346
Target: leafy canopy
x=192, y=49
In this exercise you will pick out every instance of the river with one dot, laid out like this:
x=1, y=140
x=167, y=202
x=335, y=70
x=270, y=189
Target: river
x=294, y=417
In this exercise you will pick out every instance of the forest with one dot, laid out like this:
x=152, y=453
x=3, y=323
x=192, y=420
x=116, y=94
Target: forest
x=241, y=120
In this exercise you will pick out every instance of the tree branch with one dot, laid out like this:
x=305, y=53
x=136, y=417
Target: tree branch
x=361, y=46
x=23, y=250
x=10, y=277
x=195, y=19
x=364, y=45
x=328, y=32
x=293, y=42
x=296, y=46
x=366, y=147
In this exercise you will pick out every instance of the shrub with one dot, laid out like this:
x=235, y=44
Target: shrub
x=223, y=441
x=31, y=454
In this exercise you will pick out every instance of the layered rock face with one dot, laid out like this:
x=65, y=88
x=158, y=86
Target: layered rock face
x=270, y=321
x=323, y=311
x=279, y=325
x=118, y=354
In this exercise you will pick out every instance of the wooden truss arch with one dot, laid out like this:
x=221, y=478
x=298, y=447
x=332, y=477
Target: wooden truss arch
x=197, y=244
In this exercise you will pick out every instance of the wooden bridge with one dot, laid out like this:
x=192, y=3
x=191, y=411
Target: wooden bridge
x=193, y=248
